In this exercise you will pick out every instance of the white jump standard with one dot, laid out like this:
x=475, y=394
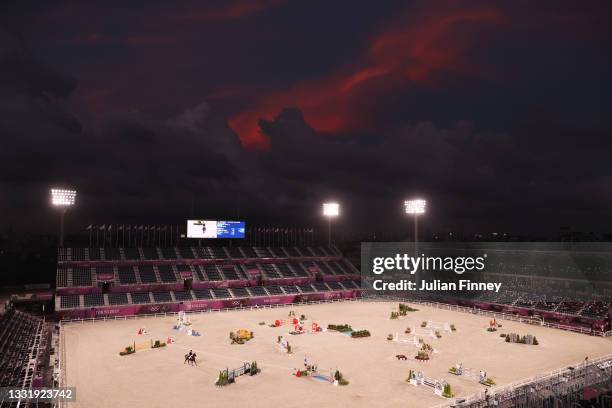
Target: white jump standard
x=438, y=325
x=473, y=374
x=424, y=332
x=418, y=378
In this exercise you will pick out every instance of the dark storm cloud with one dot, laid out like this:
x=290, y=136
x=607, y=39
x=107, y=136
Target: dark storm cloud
x=469, y=175
x=497, y=115
x=130, y=166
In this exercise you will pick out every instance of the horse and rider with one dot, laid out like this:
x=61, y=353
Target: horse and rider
x=190, y=358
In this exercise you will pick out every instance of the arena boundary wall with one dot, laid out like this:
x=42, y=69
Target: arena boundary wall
x=362, y=298
x=536, y=379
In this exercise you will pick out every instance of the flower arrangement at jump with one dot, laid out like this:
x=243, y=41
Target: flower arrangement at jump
x=346, y=328
x=223, y=379
x=127, y=350
x=424, y=352
x=241, y=336
x=402, y=310
x=489, y=382
x=340, y=378
x=254, y=369
x=493, y=325
x=340, y=327
x=360, y=333
x=516, y=338
x=158, y=344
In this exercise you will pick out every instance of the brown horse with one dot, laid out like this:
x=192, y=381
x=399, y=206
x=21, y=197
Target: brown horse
x=401, y=357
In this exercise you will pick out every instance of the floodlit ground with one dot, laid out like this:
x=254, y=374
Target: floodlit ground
x=158, y=377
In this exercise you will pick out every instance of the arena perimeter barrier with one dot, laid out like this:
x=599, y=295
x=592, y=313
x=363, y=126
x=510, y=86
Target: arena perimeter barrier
x=502, y=389
x=62, y=367
x=228, y=309
x=364, y=298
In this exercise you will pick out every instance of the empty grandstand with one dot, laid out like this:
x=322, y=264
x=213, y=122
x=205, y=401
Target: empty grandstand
x=94, y=282
x=24, y=345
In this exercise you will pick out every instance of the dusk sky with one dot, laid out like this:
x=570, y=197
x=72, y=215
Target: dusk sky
x=498, y=113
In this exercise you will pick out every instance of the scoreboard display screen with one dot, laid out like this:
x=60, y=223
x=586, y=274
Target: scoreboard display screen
x=215, y=229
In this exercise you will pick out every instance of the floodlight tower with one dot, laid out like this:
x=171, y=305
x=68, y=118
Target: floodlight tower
x=63, y=199
x=330, y=210
x=415, y=207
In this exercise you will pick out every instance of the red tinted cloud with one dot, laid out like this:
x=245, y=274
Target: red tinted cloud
x=411, y=52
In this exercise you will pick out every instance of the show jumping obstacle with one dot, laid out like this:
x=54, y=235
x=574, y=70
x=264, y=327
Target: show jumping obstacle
x=473, y=374
x=292, y=321
x=413, y=340
x=299, y=329
x=419, y=378
x=312, y=372
x=143, y=346
x=231, y=375
x=183, y=319
x=424, y=332
x=283, y=345
x=183, y=324
x=438, y=325
x=407, y=340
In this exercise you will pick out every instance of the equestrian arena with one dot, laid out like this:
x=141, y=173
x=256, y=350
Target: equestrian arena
x=374, y=366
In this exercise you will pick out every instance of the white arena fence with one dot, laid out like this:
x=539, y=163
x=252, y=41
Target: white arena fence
x=536, y=379
x=205, y=311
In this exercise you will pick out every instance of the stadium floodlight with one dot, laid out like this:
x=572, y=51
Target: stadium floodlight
x=330, y=210
x=63, y=199
x=415, y=207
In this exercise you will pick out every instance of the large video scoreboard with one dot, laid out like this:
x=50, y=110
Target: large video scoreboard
x=215, y=229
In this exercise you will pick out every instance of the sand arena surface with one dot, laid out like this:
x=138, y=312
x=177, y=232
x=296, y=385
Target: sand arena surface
x=158, y=377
